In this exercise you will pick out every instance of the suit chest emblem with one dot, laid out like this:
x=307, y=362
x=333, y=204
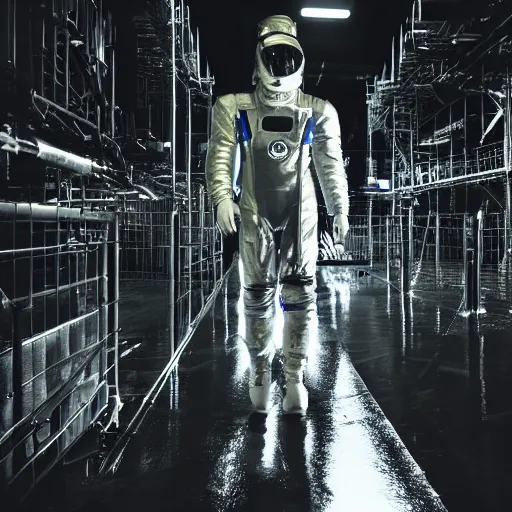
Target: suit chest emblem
x=278, y=150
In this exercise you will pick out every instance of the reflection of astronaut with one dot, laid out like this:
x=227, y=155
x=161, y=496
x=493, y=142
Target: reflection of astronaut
x=277, y=128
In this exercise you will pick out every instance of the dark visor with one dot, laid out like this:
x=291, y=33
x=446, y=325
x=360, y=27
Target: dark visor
x=281, y=60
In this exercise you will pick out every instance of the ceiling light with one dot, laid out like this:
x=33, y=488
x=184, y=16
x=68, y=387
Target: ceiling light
x=336, y=14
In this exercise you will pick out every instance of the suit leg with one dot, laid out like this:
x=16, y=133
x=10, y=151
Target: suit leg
x=258, y=255
x=298, y=301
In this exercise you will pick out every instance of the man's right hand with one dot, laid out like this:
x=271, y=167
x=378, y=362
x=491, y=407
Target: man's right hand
x=226, y=212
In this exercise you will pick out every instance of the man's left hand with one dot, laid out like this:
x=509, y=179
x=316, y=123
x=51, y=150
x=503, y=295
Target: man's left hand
x=340, y=228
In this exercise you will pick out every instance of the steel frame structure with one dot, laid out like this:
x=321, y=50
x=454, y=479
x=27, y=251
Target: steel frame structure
x=426, y=105
x=58, y=353
x=78, y=204
x=444, y=111
x=174, y=105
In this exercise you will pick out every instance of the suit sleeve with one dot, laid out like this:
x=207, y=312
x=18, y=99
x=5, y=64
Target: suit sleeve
x=220, y=159
x=328, y=160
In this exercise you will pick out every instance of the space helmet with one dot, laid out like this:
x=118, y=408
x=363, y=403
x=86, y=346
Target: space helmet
x=279, y=55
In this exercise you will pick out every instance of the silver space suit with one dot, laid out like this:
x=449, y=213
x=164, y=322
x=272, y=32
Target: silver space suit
x=277, y=129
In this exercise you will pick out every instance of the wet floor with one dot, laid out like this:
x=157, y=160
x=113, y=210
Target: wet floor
x=145, y=340
x=441, y=379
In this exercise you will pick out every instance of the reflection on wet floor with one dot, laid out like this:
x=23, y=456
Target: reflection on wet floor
x=145, y=346
x=441, y=379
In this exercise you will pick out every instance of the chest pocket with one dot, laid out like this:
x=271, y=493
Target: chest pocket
x=244, y=136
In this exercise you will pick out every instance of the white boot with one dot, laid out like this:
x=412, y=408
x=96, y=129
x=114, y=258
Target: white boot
x=296, y=398
x=259, y=390
x=295, y=346
x=261, y=350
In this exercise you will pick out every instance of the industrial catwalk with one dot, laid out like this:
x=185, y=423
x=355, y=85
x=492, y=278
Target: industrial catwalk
x=200, y=447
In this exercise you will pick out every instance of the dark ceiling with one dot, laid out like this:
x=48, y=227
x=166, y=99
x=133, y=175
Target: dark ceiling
x=228, y=34
x=352, y=47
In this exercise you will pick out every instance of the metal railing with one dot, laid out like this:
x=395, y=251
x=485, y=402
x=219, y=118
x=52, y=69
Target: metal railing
x=181, y=244
x=147, y=238
x=433, y=249
x=357, y=244
x=482, y=161
x=62, y=270
x=58, y=346
x=63, y=260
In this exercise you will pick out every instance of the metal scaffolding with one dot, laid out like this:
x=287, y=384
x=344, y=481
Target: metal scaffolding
x=439, y=128
x=92, y=198
x=444, y=108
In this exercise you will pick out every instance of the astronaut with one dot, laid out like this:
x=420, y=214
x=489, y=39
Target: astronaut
x=277, y=129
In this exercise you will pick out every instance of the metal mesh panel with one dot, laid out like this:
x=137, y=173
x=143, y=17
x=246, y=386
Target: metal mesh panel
x=59, y=251
x=494, y=240
x=438, y=250
x=200, y=258
x=162, y=242
x=484, y=159
x=57, y=327
x=357, y=242
x=146, y=239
